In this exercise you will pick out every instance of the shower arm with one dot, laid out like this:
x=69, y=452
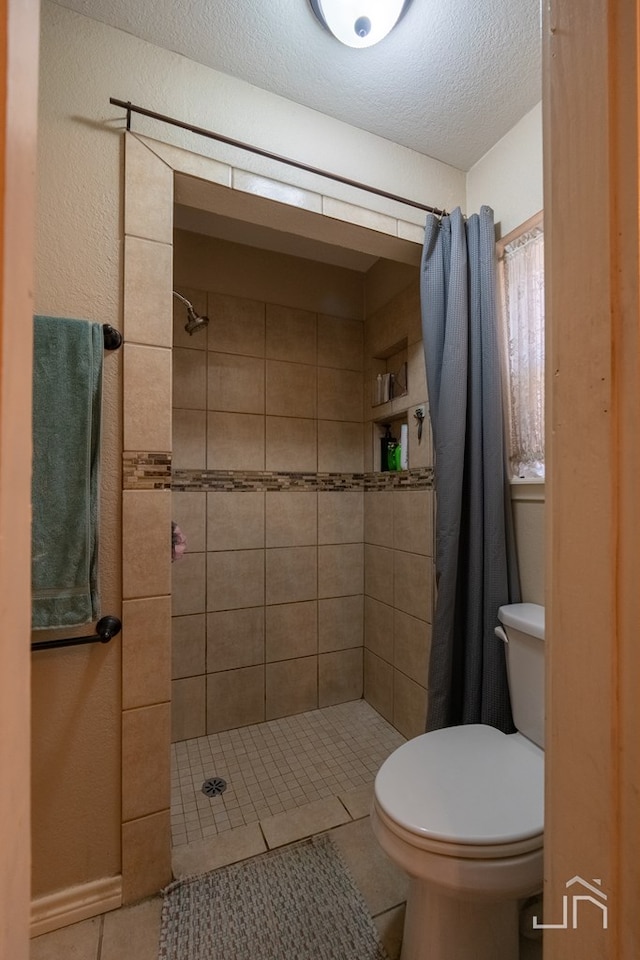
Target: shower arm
x=184, y=300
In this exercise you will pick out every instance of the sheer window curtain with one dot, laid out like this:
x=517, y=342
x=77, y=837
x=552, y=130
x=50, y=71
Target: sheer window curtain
x=522, y=287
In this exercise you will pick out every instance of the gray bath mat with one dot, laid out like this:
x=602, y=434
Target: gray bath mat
x=297, y=903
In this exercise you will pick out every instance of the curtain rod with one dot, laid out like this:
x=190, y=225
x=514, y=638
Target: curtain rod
x=132, y=108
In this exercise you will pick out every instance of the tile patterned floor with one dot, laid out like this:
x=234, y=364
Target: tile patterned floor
x=275, y=767
x=288, y=779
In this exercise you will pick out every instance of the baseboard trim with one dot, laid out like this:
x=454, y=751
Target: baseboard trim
x=68, y=906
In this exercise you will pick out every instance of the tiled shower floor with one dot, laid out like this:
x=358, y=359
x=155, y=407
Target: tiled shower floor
x=276, y=766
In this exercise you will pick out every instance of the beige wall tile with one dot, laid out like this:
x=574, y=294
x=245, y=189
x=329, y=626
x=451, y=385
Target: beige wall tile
x=411, y=646
x=146, y=856
x=189, y=584
x=367, y=445
x=291, y=389
x=340, y=447
x=147, y=308
x=146, y=543
x=291, y=687
x=340, y=343
x=236, y=325
x=340, y=623
x=378, y=518
x=146, y=774
x=198, y=300
x=416, y=373
x=292, y=519
x=339, y=676
x=191, y=165
x=148, y=193
x=188, y=646
x=341, y=210
x=189, y=440
x=339, y=394
x=411, y=231
x=378, y=573
x=291, y=334
x=235, y=638
x=292, y=574
x=147, y=393
x=378, y=628
x=188, y=708
x=412, y=526
x=276, y=190
x=235, y=383
x=235, y=441
x=235, y=579
x=134, y=932
x=291, y=444
x=340, y=517
x=378, y=685
x=146, y=640
x=409, y=706
x=291, y=630
x=235, y=698
x=409, y=306
x=235, y=521
x=189, y=512
x=189, y=379
x=340, y=570
x=412, y=584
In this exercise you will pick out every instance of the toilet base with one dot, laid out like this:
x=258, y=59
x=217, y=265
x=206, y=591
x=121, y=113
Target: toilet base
x=442, y=927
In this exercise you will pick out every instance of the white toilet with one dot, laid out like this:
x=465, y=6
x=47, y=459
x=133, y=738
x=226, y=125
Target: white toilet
x=461, y=811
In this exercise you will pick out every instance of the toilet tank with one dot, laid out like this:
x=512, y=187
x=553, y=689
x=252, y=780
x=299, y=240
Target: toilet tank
x=523, y=631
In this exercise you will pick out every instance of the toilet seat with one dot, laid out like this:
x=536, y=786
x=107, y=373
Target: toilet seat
x=458, y=851
x=468, y=791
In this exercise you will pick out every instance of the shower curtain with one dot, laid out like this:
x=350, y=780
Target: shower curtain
x=475, y=559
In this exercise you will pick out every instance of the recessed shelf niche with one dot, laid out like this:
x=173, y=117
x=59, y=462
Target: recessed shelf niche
x=378, y=433
x=389, y=376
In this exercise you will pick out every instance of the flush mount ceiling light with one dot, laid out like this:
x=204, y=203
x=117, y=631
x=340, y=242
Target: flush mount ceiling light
x=359, y=23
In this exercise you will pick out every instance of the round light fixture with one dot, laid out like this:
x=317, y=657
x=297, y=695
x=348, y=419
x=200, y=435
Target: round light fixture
x=359, y=23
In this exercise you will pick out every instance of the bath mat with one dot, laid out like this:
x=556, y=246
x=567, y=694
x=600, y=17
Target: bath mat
x=296, y=903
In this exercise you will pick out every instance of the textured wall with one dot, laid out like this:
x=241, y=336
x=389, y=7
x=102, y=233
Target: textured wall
x=77, y=700
x=77, y=694
x=509, y=176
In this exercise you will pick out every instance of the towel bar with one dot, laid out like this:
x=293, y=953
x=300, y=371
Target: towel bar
x=106, y=628
x=112, y=337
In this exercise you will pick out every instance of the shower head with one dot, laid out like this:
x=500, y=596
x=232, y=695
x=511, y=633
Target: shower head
x=194, y=321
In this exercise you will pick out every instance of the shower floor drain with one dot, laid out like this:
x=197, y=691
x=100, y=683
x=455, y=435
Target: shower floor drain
x=214, y=786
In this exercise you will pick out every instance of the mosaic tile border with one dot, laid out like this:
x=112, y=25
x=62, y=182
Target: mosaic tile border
x=152, y=471
x=146, y=471
x=256, y=481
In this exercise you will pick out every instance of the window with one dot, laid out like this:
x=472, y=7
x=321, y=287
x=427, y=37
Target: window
x=521, y=280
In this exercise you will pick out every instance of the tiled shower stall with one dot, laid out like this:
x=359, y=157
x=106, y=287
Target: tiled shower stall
x=379, y=295
x=307, y=580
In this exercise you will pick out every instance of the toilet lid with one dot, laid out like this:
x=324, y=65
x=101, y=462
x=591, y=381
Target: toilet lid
x=470, y=784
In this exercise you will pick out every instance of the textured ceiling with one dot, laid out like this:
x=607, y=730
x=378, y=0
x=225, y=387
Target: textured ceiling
x=449, y=81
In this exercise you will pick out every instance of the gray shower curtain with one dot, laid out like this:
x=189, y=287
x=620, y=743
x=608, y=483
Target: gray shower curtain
x=475, y=562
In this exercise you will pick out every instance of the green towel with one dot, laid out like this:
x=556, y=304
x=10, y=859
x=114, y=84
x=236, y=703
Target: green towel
x=67, y=398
